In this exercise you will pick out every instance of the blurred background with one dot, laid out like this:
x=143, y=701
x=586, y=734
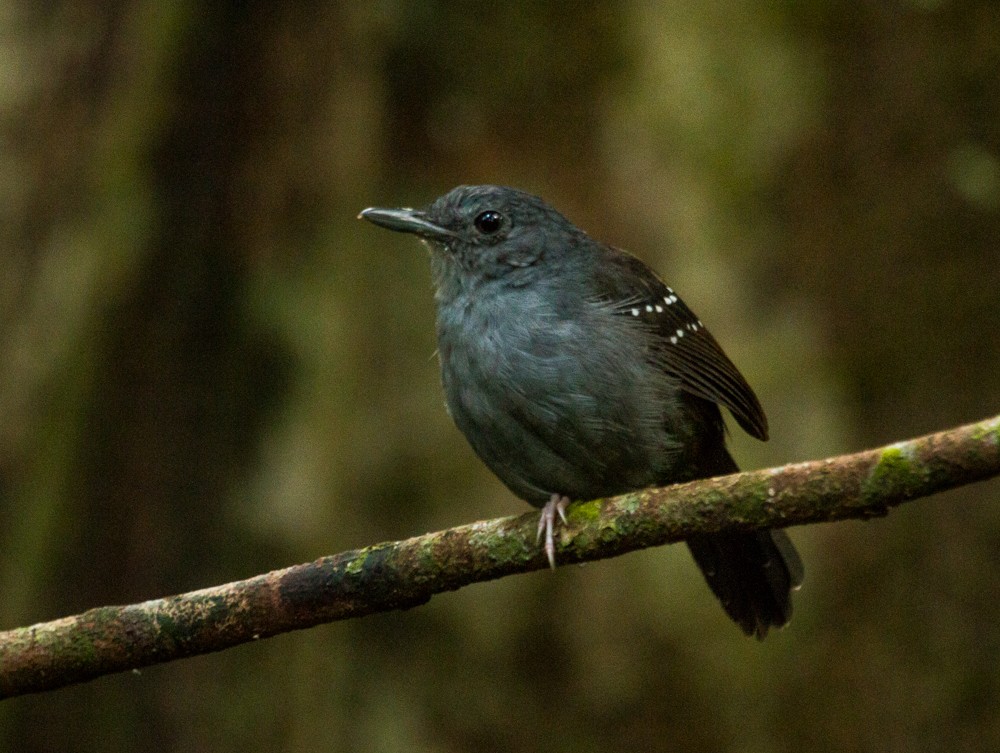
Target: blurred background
x=209, y=368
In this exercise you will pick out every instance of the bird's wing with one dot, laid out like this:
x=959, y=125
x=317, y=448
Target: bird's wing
x=684, y=346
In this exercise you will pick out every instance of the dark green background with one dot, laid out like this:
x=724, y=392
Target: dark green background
x=209, y=368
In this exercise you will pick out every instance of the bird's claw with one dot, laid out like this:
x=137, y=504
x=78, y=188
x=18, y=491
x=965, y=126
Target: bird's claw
x=546, y=523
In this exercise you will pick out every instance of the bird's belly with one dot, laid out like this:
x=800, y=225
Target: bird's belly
x=551, y=413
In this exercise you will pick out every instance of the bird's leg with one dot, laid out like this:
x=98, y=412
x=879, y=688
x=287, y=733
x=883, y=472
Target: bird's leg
x=556, y=504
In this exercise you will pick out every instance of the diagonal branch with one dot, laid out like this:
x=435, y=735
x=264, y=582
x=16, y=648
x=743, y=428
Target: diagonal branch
x=403, y=574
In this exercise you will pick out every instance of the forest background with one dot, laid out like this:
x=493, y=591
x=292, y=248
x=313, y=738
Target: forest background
x=209, y=368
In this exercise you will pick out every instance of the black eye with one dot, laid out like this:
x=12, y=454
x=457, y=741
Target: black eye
x=488, y=222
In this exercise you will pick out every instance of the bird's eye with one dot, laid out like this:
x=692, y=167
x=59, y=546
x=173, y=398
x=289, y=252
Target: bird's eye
x=488, y=222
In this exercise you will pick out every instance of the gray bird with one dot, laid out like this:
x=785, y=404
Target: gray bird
x=576, y=373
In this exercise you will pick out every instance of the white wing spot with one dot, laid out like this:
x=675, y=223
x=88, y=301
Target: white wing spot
x=659, y=309
x=635, y=312
x=649, y=309
x=673, y=340
x=680, y=333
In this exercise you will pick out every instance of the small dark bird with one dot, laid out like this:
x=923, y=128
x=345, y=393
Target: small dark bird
x=576, y=373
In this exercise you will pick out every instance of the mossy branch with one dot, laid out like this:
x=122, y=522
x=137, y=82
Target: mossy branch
x=403, y=574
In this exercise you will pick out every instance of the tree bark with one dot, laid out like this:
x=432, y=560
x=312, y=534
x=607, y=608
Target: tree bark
x=403, y=574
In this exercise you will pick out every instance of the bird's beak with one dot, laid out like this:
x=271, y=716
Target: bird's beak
x=406, y=221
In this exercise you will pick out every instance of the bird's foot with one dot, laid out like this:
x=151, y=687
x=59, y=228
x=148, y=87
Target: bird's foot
x=546, y=523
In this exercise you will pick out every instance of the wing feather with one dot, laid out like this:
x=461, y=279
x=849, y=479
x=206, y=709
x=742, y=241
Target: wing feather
x=684, y=346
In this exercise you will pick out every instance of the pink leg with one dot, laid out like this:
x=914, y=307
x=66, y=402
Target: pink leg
x=556, y=504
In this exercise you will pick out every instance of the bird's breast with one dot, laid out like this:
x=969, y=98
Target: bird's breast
x=555, y=399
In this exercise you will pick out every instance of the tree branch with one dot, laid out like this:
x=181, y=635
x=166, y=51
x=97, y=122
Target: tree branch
x=403, y=574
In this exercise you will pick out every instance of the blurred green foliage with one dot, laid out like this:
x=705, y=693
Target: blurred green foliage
x=208, y=368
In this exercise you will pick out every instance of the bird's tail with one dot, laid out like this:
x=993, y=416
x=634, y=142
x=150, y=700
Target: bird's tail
x=752, y=573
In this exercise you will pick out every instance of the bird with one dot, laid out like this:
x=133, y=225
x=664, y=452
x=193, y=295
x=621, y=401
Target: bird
x=576, y=373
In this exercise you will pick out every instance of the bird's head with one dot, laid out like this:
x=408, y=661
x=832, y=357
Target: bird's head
x=479, y=233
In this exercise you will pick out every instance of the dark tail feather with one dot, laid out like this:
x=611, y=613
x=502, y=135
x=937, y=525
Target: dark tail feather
x=752, y=574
